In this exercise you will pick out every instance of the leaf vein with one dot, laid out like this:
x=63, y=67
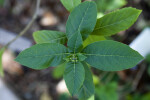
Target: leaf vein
x=113, y=23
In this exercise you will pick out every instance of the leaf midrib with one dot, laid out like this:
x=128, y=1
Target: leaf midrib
x=85, y=88
x=74, y=65
x=111, y=55
x=49, y=55
x=58, y=38
x=83, y=17
x=78, y=29
x=76, y=43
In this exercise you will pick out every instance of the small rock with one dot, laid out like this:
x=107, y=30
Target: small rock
x=61, y=87
x=10, y=65
x=45, y=96
x=49, y=19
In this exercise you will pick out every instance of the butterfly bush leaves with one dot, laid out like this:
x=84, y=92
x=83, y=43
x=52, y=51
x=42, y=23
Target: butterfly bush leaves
x=75, y=42
x=110, y=55
x=82, y=19
x=41, y=56
x=45, y=36
x=84, y=47
x=1, y=66
x=74, y=76
x=70, y=4
x=116, y=21
x=87, y=89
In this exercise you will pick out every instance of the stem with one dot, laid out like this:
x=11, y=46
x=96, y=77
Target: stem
x=138, y=77
x=110, y=77
x=28, y=26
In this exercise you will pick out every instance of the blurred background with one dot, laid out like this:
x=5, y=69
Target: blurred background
x=48, y=84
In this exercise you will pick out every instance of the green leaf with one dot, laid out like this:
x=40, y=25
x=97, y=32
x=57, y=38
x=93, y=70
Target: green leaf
x=109, y=5
x=70, y=4
x=114, y=4
x=107, y=92
x=87, y=89
x=75, y=43
x=92, y=38
x=59, y=70
x=74, y=76
x=46, y=36
x=82, y=19
x=1, y=66
x=81, y=57
x=110, y=55
x=96, y=80
x=92, y=97
x=2, y=3
x=116, y=21
x=146, y=96
x=42, y=56
x=64, y=96
x=148, y=58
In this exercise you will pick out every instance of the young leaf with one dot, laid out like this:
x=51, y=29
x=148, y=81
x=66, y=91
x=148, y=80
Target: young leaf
x=109, y=5
x=110, y=55
x=74, y=76
x=46, y=36
x=116, y=21
x=82, y=19
x=70, y=4
x=148, y=58
x=42, y=56
x=1, y=66
x=59, y=70
x=92, y=97
x=87, y=89
x=92, y=38
x=75, y=42
x=81, y=57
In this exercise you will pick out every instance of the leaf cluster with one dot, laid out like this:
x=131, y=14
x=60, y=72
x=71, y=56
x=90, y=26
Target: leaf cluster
x=84, y=48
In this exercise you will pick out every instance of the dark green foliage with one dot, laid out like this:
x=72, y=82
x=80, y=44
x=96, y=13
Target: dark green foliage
x=41, y=56
x=116, y=21
x=46, y=36
x=111, y=55
x=80, y=54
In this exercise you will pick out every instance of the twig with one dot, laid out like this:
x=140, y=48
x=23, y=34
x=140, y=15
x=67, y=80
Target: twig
x=103, y=75
x=28, y=26
x=138, y=77
x=110, y=77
